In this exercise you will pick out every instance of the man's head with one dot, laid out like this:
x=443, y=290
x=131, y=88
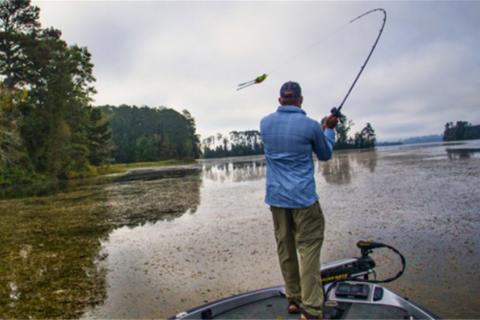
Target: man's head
x=291, y=94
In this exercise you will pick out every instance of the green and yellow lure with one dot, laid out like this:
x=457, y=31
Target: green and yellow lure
x=257, y=80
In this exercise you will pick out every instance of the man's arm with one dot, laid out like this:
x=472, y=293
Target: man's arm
x=324, y=140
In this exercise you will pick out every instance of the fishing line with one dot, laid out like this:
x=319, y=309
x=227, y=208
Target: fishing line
x=326, y=35
x=323, y=38
x=337, y=110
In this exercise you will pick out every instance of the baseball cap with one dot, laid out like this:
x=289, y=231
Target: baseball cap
x=290, y=89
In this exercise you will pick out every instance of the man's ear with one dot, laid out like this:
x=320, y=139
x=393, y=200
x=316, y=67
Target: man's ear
x=280, y=100
x=301, y=100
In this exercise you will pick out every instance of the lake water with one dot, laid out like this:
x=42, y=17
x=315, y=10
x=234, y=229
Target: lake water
x=153, y=248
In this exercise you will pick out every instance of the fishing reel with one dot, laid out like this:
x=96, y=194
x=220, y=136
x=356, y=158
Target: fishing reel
x=336, y=112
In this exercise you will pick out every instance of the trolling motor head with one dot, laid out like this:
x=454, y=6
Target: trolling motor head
x=366, y=247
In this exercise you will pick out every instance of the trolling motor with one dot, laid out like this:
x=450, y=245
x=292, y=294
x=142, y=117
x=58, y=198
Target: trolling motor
x=359, y=269
x=356, y=268
x=367, y=247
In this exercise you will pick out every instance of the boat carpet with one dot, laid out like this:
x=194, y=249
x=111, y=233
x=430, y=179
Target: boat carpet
x=276, y=308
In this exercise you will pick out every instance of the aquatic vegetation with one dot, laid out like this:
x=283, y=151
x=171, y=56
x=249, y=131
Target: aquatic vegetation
x=51, y=246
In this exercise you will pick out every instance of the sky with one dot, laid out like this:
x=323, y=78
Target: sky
x=424, y=72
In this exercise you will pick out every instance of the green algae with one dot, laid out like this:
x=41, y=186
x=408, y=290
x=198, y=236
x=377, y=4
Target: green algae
x=51, y=246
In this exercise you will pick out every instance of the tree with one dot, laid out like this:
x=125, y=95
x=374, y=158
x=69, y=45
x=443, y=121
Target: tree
x=58, y=79
x=368, y=135
x=99, y=136
x=461, y=130
x=342, y=129
x=237, y=143
x=364, y=139
x=19, y=23
x=193, y=136
x=57, y=117
x=15, y=167
x=151, y=134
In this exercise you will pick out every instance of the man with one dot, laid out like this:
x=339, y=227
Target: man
x=289, y=138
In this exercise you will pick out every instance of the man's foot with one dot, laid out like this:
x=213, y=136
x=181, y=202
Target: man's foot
x=307, y=316
x=293, y=306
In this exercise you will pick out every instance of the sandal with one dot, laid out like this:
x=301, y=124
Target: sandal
x=307, y=316
x=293, y=306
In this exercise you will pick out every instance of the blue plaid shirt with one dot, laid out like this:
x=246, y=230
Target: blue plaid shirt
x=289, y=138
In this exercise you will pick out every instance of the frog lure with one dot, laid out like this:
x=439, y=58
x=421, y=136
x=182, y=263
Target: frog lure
x=257, y=80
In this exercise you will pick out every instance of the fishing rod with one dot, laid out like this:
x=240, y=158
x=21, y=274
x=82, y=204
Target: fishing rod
x=336, y=111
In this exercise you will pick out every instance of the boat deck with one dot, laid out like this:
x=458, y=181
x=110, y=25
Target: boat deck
x=276, y=308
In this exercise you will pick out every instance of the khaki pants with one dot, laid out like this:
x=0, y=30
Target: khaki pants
x=301, y=230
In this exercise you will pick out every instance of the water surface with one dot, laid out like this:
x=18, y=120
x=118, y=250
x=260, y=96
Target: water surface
x=153, y=248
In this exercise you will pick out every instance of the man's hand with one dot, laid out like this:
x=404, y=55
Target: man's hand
x=329, y=122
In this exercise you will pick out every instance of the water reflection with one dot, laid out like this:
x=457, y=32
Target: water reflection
x=338, y=170
x=460, y=154
x=343, y=165
x=158, y=173
x=51, y=246
x=235, y=170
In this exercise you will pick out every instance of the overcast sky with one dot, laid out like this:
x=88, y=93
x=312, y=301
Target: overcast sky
x=191, y=55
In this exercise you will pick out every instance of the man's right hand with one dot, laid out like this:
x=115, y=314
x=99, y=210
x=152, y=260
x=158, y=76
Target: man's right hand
x=330, y=122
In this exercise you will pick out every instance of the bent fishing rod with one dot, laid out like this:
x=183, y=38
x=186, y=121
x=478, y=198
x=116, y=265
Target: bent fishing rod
x=336, y=111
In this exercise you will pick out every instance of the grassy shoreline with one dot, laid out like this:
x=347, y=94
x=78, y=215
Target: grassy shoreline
x=41, y=185
x=124, y=167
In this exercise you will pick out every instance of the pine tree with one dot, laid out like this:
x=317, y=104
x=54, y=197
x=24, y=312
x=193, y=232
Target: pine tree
x=99, y=136
x=14, y=164
x=58, y=79
x=19, y=23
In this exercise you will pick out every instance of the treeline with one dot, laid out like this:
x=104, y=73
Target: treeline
x=461, y=130
x=412, y=140
x=47, y=123
x=243, y=143
x=365, y=138
x=148, y=134
x=236, y=143
x=48, y=128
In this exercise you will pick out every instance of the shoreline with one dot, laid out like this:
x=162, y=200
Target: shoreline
x=100, y=175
